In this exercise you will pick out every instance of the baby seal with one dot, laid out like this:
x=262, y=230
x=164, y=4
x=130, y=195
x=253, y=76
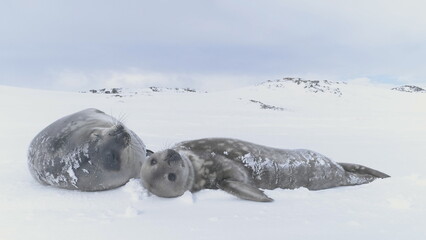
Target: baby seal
x=241, y=168
x=88, y=150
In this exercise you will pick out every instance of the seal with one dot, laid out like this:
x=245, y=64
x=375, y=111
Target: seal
x=243, y=168
x=88, y=151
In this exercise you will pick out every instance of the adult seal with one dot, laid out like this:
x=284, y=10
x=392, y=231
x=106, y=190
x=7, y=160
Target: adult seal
x=243, y=168
x=88, y=151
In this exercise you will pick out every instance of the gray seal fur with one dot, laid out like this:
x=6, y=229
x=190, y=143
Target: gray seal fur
x=88, y=151
x=243, y=168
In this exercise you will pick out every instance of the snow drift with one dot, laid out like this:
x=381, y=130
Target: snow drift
x=369, y=125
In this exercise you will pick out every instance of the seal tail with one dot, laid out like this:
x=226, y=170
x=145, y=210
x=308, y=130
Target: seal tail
x=355, y=168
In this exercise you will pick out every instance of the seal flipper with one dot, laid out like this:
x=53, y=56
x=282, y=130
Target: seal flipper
x=355, y=168
x=243, y=190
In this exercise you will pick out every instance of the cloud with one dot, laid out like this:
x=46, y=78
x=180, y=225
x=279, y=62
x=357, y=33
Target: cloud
x=70, y=80
x=361, y=81
x=79, y=80
x=136, y=79
x=192, y=42
x=133, y=78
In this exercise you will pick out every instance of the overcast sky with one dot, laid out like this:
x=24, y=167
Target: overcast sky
x=217, y=44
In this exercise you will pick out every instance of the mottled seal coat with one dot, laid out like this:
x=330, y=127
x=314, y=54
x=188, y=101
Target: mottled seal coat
x=88, y=150
x=241, y=168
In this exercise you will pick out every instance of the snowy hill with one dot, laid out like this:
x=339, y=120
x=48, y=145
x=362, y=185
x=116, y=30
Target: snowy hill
x=410, y=89
x=315, y=86
x=369, y=125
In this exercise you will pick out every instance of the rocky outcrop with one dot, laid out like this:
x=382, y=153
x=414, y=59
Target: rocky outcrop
x=410, y=89
x=315, y=86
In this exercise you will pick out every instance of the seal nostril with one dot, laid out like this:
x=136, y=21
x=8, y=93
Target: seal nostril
x=119, y=127
x=171, y=177
x=172, y=157
x=126, y=137
x=122, y=138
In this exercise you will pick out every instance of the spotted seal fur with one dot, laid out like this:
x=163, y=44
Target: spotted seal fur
x=243, y=168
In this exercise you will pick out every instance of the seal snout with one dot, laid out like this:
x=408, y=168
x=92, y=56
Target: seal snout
x=173, y=157
x=117, y=129
x=120, y=134
x=125, y=138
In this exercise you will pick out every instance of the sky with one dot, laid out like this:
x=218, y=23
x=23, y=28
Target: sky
x=210, y=44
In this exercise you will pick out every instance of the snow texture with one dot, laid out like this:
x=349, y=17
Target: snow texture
x=367, y=125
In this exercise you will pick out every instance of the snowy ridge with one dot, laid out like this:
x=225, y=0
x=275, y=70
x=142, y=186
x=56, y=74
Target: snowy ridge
x=124, y=92
x=314, y=86
x=410, y=89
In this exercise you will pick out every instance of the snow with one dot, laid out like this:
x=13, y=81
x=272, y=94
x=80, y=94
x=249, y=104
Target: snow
x=369, y=125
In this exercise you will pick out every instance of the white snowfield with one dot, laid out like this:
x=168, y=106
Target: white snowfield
x=369, y=125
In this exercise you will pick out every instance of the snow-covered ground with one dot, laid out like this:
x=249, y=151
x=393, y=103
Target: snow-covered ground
x=369, y=125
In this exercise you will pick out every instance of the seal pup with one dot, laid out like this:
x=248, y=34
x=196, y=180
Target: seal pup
x=88, y=150
x=243, y=168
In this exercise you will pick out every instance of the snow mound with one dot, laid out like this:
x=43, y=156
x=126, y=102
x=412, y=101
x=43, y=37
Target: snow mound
x=314, y=86
x=410, y=89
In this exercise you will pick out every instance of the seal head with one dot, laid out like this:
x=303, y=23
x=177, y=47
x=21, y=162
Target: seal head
x=87, y=151
x=167, y=174
x=108, y=145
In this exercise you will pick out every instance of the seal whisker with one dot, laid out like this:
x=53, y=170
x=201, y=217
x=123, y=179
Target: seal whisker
x=135, y=148
x=166, y=145
x=119, y=119
x=122, y=118
x=112, y=120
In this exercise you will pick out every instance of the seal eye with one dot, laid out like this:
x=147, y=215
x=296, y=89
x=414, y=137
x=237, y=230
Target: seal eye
x=112, y=161
x=95, y=135
x=153, y=161
x=171, y=177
